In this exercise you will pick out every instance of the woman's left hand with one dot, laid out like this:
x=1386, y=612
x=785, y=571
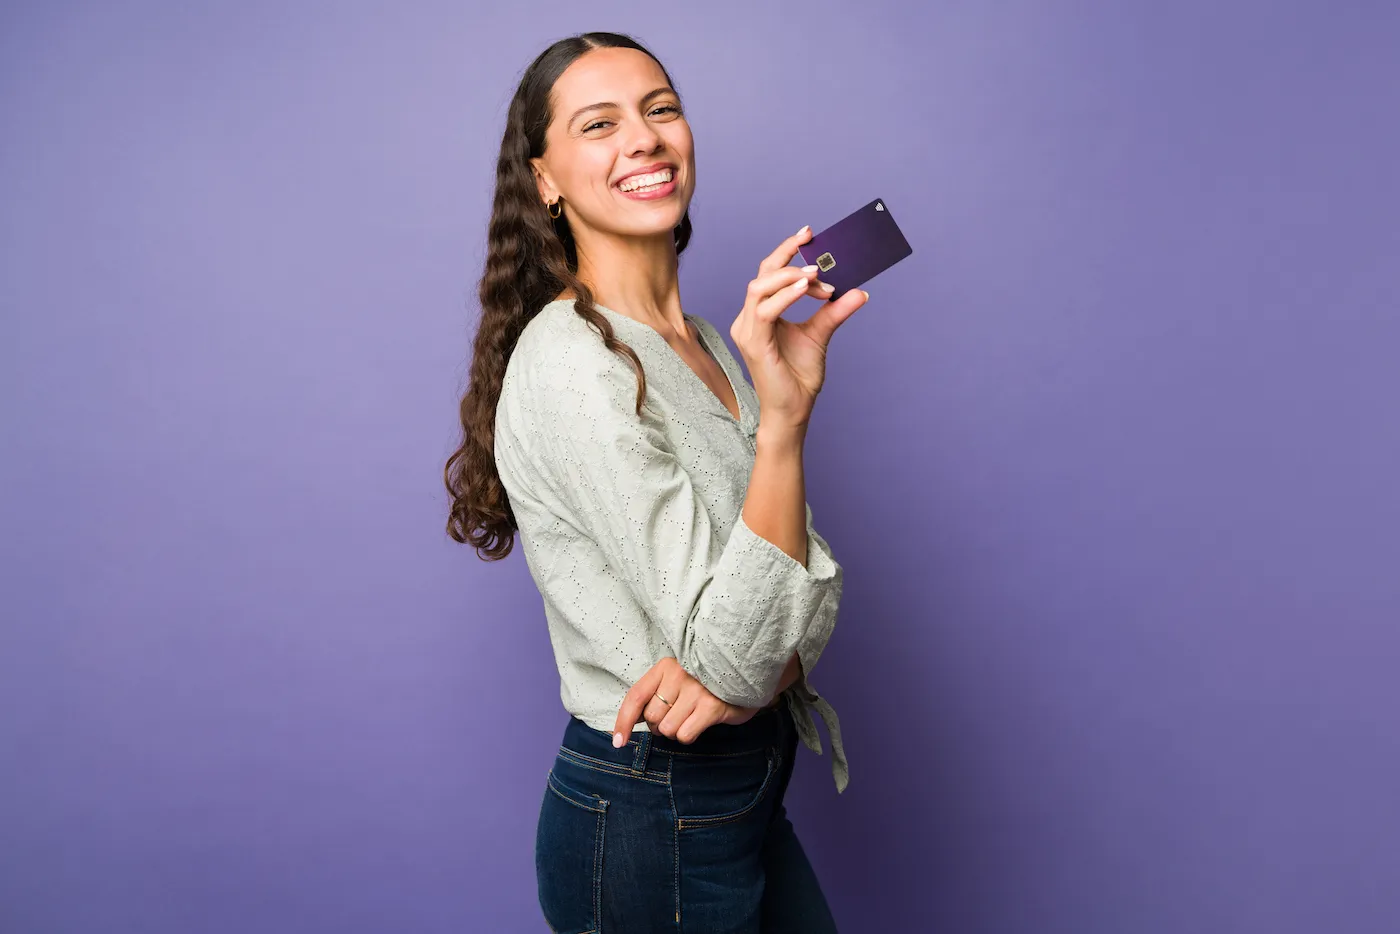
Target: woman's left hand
x=786, y=359
x=693, y=709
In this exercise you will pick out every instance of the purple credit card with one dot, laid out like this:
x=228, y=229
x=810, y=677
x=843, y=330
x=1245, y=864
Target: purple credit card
x=856, y=248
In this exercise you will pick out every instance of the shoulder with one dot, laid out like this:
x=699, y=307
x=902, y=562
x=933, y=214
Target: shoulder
x=555, y=341
x=560, y=360
x=553, y=327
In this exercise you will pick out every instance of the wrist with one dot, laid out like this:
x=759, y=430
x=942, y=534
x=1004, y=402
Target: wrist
x=781, y=437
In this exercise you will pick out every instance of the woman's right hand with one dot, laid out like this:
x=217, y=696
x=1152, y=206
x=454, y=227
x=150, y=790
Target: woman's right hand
x=787, y=360
x=692, y=709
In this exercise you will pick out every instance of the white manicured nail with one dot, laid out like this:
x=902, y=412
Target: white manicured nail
x=809, y=268
x=803, y=229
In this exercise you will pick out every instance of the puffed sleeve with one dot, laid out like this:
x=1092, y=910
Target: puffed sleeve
x=732, y=606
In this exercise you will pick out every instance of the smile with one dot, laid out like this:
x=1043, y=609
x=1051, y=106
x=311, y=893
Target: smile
x=651, y=181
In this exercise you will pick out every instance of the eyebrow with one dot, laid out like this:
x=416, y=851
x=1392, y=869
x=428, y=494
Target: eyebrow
x=606, y=104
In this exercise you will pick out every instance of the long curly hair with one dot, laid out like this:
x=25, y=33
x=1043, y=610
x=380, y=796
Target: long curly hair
x=531, y=258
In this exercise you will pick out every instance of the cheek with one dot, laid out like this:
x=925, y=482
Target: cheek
x=681, y=141
x=594, y=172
x=683, y=147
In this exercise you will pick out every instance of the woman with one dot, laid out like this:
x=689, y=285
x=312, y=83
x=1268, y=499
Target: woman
x=665, y=523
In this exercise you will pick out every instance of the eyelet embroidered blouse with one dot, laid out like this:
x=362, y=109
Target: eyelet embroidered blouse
x=632, y=526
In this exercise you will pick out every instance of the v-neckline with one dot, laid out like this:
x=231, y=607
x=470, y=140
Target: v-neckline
x=740, y=422
x=705, y=346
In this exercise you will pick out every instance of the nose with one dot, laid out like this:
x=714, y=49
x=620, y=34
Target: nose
x=643, y=139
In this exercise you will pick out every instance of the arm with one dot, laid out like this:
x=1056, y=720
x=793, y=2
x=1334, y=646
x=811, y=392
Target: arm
x=776, y=506
x=777, y=497
x=733, y=610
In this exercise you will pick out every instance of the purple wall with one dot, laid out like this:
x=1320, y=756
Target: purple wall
x=1111, y=463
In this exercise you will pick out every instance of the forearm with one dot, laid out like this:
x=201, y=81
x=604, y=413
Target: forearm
x=776, y=507
x=776, y=504
x=786, y=591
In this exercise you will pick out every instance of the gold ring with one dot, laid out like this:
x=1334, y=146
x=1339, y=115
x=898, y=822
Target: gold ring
x=663, y=700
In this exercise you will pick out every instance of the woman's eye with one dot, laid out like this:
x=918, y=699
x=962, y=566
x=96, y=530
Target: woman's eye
x=671, y=107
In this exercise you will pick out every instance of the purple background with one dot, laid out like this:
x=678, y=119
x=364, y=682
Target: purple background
x=1110, y=462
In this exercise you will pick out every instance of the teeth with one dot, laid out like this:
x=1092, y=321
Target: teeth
x=645, y=181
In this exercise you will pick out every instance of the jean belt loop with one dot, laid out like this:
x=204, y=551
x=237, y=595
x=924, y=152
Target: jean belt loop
x=639, y=759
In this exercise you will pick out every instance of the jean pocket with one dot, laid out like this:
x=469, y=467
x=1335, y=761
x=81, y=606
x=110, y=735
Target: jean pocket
x=569, y=856
x=710, y=790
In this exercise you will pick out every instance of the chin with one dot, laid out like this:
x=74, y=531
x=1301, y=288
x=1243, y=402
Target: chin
x=658, y=222
x=655, y=229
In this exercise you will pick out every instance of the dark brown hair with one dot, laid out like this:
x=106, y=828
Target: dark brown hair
x=530, y=259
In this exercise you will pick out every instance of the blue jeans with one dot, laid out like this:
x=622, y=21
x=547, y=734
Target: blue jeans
x=664, y=836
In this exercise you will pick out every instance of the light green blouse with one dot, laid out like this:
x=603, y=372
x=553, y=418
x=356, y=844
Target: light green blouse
x=632, y=526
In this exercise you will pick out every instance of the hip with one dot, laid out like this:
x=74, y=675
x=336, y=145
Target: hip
x=623, y=833
x=723, y=773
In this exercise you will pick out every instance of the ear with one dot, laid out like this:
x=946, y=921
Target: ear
x=543, y=185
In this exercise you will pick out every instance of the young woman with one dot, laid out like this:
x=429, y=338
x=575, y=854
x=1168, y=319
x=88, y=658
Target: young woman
x=661, y=504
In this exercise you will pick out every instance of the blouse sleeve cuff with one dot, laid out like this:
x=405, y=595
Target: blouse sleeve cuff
x=820, y=568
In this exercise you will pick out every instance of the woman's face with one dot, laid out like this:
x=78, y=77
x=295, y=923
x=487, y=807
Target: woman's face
x=615, y=115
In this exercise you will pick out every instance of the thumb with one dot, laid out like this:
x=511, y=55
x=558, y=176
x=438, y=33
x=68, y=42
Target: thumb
x=830, y=316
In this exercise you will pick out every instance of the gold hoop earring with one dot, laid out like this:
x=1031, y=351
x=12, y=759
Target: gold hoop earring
x=550, y=206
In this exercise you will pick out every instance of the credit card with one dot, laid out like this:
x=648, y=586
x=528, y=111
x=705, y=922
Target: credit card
x=856, y=248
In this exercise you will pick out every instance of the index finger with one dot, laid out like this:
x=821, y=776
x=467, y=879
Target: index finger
x=785, y=251
x=634, y=703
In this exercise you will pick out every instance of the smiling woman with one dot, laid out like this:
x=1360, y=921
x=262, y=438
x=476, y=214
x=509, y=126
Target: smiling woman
x=686, y=593
x=581, y=170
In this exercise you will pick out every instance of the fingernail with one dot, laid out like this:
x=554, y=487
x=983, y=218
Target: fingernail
x=619, y=741
x=866, y=294
x=827, y=286
x=803, y=229
x=809, y=268
x=801, y=285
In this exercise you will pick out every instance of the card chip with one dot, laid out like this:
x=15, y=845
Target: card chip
x=825, y=262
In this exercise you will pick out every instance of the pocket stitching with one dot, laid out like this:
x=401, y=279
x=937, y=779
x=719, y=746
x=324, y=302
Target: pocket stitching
x=712, y=755
x=598, y=874
x=683, y=822
x=567, y=793
x=607, y=768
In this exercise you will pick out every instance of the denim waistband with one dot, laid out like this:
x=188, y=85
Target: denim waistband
x=770, y=726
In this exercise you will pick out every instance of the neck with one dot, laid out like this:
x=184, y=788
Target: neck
x=634, y=276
